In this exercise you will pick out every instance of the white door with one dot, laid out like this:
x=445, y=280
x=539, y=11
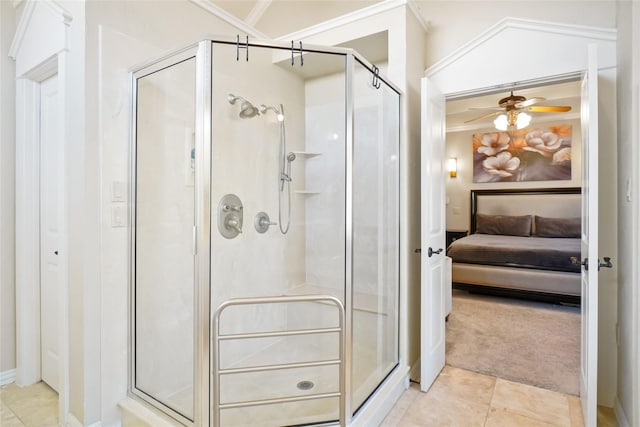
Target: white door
x=432, y=347
x=50, y=220
x=589, y=333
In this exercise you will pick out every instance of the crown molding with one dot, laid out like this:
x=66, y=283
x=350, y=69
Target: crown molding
x=595, y=33
x=229, y=18
x=25, y=20
x=415, y=8
x=346, y=19
x=257, y=12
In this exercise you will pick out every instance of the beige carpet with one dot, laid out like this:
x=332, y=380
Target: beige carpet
x=523, y=341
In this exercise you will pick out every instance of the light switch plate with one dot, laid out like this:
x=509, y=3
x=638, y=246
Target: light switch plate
x=118, y=215
x=118, y=191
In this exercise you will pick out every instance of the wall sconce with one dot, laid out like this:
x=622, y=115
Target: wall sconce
x=452, y=166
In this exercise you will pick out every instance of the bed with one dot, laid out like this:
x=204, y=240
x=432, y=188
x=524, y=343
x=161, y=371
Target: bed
x=520, y=245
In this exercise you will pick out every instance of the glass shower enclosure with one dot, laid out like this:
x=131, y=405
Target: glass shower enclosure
x=265, y=234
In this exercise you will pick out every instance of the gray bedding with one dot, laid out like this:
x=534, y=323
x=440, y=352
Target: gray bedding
x=514, y=251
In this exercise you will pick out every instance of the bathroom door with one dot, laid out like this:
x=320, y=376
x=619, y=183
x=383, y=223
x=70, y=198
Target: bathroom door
x=432, y=347
x=50, y=226
x=589, y=291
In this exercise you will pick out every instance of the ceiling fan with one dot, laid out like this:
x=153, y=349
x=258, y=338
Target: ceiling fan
x=511, y=111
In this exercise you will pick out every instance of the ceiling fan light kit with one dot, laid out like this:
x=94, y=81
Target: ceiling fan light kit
x=511, y=112
x=512, y=120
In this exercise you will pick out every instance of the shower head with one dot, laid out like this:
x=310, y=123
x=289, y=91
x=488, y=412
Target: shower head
x=247, y=109
x=279, y=112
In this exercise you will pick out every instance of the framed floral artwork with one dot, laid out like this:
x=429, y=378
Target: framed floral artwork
x=531, y=154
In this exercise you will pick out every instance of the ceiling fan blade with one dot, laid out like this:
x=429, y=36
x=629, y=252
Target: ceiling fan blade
x=486, y=108
x=529, y=102
x=549, y=108
x=484, y=116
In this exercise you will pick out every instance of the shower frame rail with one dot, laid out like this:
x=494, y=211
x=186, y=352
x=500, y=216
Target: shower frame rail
x=218, y=338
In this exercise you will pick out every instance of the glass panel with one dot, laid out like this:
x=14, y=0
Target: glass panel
x=376, y=228
x=164, y=263
x=293, y=172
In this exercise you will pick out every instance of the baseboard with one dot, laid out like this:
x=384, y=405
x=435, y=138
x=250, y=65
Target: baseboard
x=73, y=422
x=7, y=377
x=623, y=421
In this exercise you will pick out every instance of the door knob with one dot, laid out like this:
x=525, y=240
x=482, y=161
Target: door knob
x=431, y=252
x=576, y=260
x=418, y=251
x=606, y=264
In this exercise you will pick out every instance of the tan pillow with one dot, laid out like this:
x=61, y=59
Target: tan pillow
x=557, y=227
x=504, y=224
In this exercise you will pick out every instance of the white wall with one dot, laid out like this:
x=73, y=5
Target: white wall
x=459, y=145
x=325, y=261
x=7, y=193
x=452, y=24
x=628, y=92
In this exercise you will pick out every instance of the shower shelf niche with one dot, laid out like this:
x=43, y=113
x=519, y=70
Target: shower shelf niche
x=306, y=192
x=306, y=154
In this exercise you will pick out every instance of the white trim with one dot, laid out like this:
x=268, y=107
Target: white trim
x=415, y=8
x=346, y=19
x=229, y=18
x=523, y=24
x=257, y=12
x=621, y=417
x=27, y=232
x=7, y=377
x=135, y=413
x=25, y=20
x=72, y=421
x=378, y=406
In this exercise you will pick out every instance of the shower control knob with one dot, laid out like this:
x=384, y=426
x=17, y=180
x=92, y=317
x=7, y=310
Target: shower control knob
x=233, y=223
x=230, y=216
x=263, y=222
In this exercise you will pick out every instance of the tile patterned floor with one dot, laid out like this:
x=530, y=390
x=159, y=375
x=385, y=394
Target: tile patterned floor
x=32, y=406
x=463, y=398
x=457, y=398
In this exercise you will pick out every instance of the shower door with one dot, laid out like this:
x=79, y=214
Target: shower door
x=278, y=227
x=376, y=233
x=163, y=218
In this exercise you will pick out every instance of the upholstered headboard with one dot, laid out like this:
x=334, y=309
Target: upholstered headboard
x=547, y=202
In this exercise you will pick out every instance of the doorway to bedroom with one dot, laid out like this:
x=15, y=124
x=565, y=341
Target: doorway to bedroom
x=488, y=329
